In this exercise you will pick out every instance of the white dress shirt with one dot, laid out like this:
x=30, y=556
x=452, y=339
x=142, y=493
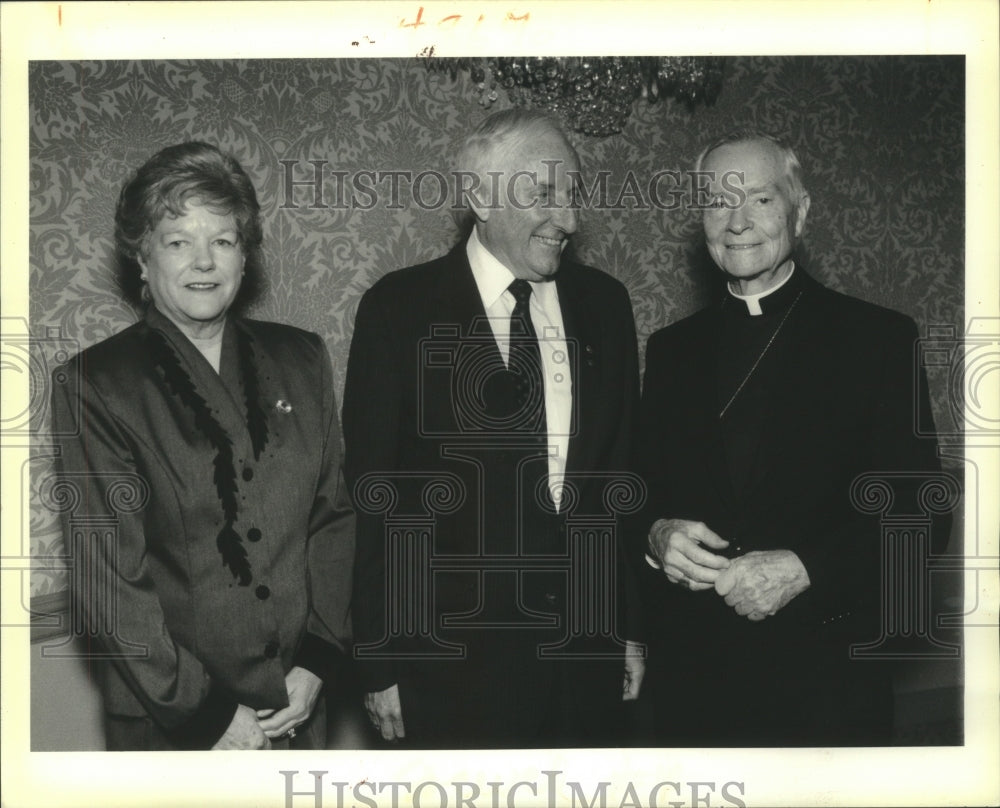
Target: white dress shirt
x=492, y=279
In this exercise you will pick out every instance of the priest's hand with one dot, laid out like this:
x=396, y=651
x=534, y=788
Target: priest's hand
x=677, y=546
x=759, y=584
x=635, y=669
x=386, y=712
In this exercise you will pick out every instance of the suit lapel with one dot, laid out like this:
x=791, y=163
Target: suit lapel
x=233, y=411
x=222, y=392
x=456, y=299
x=582, y=323
x=254, y=410
x=454, y=320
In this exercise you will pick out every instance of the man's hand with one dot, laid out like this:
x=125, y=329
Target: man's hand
x=243, y=732
x=635, y=669
x=386, y=713
x=303, y=690
x=758, y=584
x=675, y=544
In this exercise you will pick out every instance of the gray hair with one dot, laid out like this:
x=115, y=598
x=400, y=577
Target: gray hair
x=792, y=166
x=491, y=143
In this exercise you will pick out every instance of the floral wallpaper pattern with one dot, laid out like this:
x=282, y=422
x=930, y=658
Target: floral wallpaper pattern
x=881, y=140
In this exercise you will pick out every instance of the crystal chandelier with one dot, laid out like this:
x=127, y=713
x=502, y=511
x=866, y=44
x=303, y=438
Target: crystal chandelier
x=593, y=95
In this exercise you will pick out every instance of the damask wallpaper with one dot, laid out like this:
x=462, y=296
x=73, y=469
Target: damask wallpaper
x=881, y=140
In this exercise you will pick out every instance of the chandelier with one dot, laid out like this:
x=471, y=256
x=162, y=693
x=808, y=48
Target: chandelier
x=593, y=95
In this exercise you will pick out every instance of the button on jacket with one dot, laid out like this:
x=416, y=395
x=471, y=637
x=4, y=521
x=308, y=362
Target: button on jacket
x=236, y=565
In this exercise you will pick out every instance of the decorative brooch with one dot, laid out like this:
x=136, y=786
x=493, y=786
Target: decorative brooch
x=282, y=406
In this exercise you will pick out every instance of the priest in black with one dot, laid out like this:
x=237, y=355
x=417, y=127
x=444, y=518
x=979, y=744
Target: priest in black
x=757, y=415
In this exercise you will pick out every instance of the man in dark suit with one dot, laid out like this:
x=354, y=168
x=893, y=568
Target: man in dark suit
x=503, y=377
x=758, y=413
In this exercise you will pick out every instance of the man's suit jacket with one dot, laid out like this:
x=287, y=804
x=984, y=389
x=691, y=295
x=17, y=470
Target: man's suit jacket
x=840, y=391
x=412, y=412
x=190, y=632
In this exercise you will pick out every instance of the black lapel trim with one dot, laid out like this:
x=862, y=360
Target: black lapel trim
x=229, y=543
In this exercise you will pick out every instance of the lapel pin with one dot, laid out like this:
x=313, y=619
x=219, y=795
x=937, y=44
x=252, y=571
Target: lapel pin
x=282, y=406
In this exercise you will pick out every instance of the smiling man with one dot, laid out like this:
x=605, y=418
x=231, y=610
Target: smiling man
x=506, y=374
x=757, y=415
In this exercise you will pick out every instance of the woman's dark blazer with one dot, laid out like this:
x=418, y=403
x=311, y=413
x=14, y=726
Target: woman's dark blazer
x=211, y=534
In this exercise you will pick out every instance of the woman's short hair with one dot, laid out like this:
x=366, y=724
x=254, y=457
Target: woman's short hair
x=164, y=185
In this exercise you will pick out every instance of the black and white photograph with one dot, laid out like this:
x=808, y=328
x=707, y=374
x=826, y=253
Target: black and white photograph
x=463, y=417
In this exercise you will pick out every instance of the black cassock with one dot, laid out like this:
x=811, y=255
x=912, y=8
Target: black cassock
x=834, y=396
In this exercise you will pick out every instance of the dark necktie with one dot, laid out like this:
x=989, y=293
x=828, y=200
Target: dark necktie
x=525, y=363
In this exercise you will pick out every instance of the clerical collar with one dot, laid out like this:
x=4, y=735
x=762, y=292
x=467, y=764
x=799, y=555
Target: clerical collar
x=753, y=302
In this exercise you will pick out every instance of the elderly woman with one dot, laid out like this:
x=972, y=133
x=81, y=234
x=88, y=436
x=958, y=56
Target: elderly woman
x=219, y=597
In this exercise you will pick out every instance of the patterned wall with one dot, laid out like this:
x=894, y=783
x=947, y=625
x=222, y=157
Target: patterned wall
x=881, y=139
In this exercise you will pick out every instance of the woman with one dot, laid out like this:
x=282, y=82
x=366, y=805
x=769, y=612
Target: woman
x=206, y=446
